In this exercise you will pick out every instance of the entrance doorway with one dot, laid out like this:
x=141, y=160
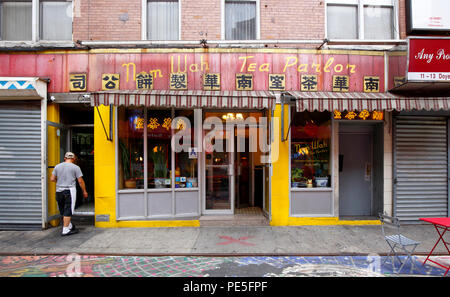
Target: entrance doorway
x=77, y=136
x=234, y=175
x=360, y=170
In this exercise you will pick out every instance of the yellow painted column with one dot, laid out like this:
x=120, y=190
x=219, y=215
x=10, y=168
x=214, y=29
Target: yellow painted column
x=280, y=170
x=53, y=158
x=104, y=167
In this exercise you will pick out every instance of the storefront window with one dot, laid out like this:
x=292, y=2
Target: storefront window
x=186, y=175
x=310, y=149
x=131, y=148
x=159, y=160
x=162, y=126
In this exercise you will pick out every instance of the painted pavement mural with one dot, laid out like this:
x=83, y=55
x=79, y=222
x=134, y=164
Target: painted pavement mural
x=196, y=266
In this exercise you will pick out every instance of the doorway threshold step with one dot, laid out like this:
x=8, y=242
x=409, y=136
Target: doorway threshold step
x=233, y=220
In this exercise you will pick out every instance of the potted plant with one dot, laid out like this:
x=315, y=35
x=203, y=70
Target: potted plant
x=158, y=156
x=297, y=177
x=129, y=181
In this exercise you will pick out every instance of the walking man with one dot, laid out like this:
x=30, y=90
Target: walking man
x=65, y=175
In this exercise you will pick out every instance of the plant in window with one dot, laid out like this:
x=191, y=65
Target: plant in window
x=297, y=177
x=158, y=155
x=129, y=181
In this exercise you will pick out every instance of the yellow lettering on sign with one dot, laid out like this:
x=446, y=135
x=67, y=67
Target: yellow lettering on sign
x=337, y=115
x=328, y=65
x=364, y=114
x=377, y=115
x=264, y=67
x=252, y=67
x=351, y=115
x=302, y=68
x=156, y=72
x=128, y=70
x=352, y=68
x=289, y=63
x=245, y=58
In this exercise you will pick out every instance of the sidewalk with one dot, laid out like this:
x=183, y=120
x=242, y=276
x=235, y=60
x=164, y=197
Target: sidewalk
x=215, y=241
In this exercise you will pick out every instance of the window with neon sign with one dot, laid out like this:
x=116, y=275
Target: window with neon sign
x=310, y=149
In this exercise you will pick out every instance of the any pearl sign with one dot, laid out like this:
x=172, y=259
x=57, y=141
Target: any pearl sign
x=429, y=59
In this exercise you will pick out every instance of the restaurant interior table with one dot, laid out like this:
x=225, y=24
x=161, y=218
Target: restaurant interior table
x=440, y=224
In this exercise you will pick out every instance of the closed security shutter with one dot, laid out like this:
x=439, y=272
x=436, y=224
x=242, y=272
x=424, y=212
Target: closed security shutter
x=20, y=166
x=420, y=167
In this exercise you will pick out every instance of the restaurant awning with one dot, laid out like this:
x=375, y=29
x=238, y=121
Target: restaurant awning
x=340, y=101
x=187, y=99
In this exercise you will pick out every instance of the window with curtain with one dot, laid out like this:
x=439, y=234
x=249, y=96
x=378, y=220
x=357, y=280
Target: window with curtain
x=360, y=19
x=15, y=20
x=240, y=20
x=378, y=22
x=342, y=21
x=56, y=20
x=162, y=20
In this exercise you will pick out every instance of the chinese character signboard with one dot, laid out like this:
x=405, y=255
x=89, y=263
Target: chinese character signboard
x=371, y=84
x=178, y=81
x=277, y=82
x=364, y=115
x=144, y=81
x=110, y=82
x=78, y=82
x=244, y=82
x=308, y=83
x=211, y=82
x=341, y=83
x=219, y=70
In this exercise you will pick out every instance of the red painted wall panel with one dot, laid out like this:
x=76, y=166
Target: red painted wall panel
x=58, y=66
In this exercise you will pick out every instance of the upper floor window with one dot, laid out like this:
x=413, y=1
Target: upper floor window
x=241, y=19
x=361, y=19
x=54, y=20
x=16, y=20
x=162, y=20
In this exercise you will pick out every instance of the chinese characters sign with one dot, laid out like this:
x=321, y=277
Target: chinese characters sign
x=77, y=82
x=216, y=70
x=110, y=82
x=364, y=115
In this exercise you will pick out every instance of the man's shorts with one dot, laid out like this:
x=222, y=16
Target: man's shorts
x=66, y=202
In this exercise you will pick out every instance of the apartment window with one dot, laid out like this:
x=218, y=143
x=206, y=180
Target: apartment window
x=361, y=19
x=241, y=20
x=15, y=20
x=162, y=20
x=56, y=20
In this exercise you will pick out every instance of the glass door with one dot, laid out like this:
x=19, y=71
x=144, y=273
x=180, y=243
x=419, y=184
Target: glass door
x=219, y=175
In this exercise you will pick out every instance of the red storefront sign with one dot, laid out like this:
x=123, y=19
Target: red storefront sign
x=224, y=70
x=429, y=59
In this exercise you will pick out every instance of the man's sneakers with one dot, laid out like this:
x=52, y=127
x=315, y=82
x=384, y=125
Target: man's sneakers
x=74, y=230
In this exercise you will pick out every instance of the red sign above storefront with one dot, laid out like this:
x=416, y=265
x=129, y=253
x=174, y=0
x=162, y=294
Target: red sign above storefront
x=206, y=70
x=429, y=59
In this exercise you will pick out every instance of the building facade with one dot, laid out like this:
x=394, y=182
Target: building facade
x=183, y=113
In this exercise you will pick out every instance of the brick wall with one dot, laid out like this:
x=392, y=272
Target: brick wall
x=201, y=20
x=292, y=19
x=402, y=18
x=280, y=19
x=107, y=20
